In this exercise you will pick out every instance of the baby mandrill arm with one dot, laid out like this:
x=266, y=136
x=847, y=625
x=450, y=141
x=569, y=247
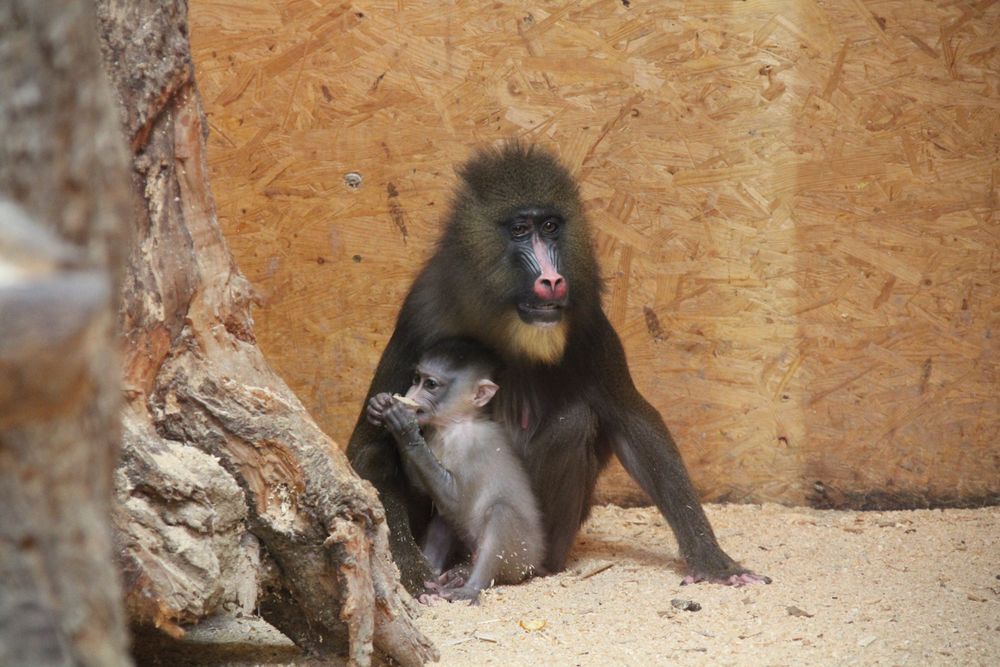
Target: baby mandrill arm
x=438, y=480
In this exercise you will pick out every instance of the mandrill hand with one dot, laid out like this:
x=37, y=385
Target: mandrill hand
x=376, y=406
x=401, y=421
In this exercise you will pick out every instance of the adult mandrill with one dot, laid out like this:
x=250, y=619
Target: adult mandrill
x=514, y=268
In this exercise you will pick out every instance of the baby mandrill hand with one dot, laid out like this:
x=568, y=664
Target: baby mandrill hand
x=401, y=421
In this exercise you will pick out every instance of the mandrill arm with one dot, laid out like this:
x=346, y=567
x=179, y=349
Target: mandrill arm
x=647, y=451
x=373, y=456
x=432, y=476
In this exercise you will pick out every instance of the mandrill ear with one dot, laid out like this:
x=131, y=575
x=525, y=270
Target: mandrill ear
x=485, y=390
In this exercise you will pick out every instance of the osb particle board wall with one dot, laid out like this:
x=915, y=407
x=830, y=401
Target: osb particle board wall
x=795, y=205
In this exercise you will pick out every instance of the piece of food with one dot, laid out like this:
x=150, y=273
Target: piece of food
x=408, y=402
x=532, y=624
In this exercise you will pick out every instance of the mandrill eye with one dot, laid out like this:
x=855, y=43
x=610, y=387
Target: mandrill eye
x=520, y=229
x=550, y=226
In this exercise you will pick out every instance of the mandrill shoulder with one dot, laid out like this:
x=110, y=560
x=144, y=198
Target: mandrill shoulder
x=429, y=311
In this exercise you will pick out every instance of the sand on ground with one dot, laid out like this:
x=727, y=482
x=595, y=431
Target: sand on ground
x=895, y=588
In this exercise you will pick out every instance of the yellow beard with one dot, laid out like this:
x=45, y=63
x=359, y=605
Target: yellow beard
x=544, y=344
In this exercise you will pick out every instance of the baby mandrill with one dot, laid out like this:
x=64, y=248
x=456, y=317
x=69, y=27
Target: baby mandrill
x=466, y=465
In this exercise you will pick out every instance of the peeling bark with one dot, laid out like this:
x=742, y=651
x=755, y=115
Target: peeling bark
x=218, y=452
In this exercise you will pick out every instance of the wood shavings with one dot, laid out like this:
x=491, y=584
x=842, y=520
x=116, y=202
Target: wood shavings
x=604, y=620
x=800, y=613
x=595, y=570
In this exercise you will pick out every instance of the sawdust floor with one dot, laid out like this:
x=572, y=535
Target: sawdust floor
x=893, y=588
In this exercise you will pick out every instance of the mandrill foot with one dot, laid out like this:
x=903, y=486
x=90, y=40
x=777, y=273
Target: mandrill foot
x=450, y=587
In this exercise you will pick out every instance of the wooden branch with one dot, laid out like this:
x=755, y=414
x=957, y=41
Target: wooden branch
x=197, y=381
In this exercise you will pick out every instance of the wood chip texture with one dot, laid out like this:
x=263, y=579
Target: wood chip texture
x=794, y=203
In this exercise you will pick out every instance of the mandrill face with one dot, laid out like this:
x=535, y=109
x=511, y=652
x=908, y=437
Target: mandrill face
x=533, y=250
x=522, y=249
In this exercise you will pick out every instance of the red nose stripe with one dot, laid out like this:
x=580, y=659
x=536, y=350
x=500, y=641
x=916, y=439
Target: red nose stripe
x=549, y=285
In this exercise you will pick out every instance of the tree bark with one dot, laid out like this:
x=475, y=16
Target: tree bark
x=225, y=476
x=63, y=199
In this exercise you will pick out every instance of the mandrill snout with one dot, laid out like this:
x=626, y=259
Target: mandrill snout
x=551, y=287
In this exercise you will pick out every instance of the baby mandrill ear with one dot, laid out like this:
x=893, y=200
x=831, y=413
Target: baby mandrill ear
x=485, y=390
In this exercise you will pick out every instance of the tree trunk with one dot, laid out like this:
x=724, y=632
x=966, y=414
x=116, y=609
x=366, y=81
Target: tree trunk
x=225, y=476
x=63, y=200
